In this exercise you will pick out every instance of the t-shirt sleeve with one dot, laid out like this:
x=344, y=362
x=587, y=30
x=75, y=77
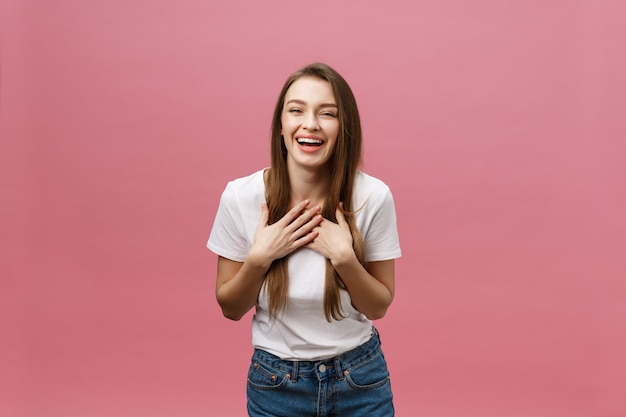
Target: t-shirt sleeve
x=227, y=238
x=381, y=240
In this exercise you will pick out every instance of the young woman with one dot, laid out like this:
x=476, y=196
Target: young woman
x=310, y=243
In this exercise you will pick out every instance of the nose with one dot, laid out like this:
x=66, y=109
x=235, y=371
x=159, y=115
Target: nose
x=310, y=122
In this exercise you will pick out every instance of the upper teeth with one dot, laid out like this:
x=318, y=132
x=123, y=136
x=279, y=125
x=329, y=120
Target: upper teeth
x=309, y=140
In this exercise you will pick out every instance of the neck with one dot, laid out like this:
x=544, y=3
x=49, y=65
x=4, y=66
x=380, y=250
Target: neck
x=308, y=185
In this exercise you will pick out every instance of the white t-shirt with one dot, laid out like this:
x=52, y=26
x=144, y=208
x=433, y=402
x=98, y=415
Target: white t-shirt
x=302, y=332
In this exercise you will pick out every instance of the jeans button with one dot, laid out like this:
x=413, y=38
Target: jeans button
x=322, y=368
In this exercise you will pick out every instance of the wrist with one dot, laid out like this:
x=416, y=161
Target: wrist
x=258, y=263
x=342, y=258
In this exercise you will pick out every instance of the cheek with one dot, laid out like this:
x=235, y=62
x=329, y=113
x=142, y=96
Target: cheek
x=335, y=136
x=286, y=128
x=333, y=146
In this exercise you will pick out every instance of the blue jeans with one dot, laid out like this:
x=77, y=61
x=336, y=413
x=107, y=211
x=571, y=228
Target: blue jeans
x=353, y=384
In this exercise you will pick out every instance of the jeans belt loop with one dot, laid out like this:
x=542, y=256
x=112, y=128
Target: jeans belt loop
x=338, y=370
x=294, y=375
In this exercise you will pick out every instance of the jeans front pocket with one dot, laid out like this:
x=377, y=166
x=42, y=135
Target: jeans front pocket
x=263, y=377
x=369, y=374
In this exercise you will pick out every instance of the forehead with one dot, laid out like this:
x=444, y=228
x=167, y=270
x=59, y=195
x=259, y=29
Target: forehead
x=310, y=89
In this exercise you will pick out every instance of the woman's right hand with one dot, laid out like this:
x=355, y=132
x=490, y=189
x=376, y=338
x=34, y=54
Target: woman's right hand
x=292, y=231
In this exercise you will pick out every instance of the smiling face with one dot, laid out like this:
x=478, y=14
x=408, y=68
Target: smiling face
x=310, y=123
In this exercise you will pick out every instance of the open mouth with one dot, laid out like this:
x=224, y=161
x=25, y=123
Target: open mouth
x=309, y=142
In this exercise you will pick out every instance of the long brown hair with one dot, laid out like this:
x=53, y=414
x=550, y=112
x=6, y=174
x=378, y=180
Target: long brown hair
x=343, y=164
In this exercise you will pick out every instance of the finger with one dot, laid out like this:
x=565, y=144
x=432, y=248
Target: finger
x=341, y=219
x=295, y=212
x=307, y=239
x=304, y=218
x=265, y=214
x=304, y=225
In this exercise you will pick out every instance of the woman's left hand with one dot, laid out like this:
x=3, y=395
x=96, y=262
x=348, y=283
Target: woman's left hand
x=334, y=240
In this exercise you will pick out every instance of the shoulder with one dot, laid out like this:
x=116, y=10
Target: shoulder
x=250, y=186
x=367, y=186
x=372, y=196
x=254, y=180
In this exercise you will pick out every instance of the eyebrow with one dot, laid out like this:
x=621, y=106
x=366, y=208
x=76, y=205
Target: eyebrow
x=296, y=101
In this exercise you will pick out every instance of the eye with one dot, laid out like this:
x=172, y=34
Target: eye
x=295, y=110
x=329, y=114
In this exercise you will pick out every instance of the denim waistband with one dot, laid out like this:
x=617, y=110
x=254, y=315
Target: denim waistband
x=335, y=365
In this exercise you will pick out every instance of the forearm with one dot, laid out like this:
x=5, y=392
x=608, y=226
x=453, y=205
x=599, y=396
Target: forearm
x=369, y=295
x=237, y=295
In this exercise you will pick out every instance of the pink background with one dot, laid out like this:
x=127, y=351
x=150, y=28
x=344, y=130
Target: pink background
x=499, y=125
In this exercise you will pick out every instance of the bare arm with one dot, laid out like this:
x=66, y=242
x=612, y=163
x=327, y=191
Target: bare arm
x=238, y=283
x=237, y=287
x=371, y=290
